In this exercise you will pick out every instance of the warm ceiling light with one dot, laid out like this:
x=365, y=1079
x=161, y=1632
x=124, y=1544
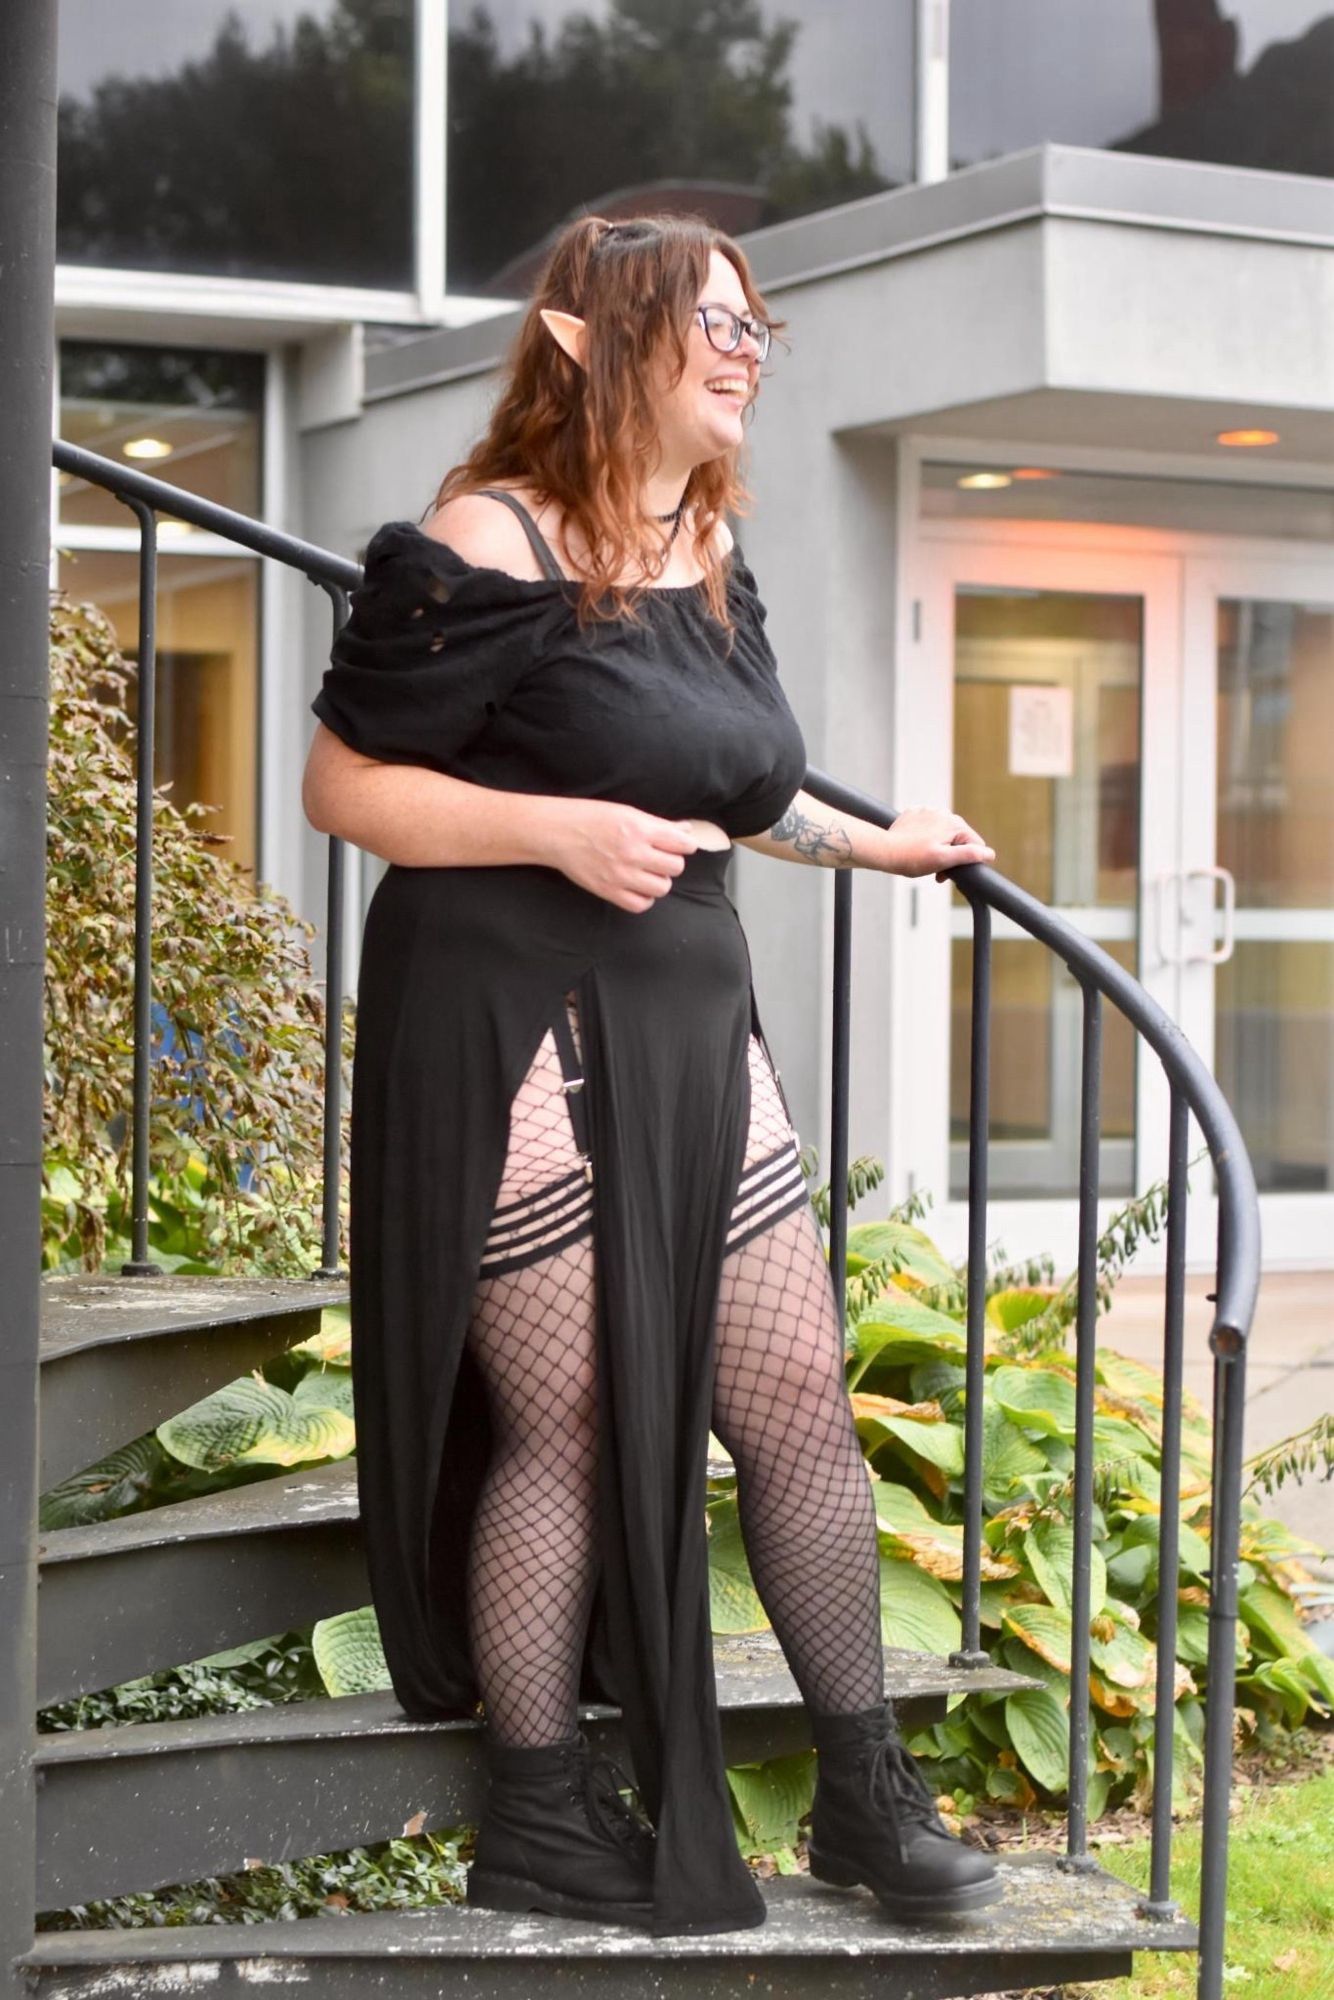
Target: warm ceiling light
x=169, y=525
x=1034, y=472
x=146, y=448
x=985, y=480
x=1248, y=437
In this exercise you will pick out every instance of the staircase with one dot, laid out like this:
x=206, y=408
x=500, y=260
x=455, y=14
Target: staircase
x=146, y=1805
x=96, y=1813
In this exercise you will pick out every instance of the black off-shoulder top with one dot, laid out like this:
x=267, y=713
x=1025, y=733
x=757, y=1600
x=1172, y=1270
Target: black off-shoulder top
x=489, y=677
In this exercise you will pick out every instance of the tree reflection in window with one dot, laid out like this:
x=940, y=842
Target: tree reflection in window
x=292, y=157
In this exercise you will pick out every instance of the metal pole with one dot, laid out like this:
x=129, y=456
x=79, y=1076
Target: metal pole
x=335, y=922
x=1159, y=1901
x=840, y=1085
x=1076, y=1856
x=970, y=1653
x=140, y=1265
x=27, y=256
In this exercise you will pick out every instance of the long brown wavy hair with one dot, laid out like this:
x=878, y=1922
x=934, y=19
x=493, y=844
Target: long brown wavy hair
x=584, y=439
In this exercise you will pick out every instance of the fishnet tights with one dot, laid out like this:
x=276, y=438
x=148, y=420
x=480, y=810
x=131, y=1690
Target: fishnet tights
x=780, y=1409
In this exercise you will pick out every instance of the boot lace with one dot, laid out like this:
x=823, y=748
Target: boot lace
x=600, y=1783
x=898, y=1786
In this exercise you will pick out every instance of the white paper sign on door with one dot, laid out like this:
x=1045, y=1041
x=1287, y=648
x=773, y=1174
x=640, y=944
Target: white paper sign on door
x=1042, y=732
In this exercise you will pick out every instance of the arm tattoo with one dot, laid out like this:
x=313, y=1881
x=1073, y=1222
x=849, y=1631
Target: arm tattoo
x=829, y=846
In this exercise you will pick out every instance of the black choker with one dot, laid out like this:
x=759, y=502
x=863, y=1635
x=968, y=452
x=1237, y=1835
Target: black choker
x=675, y=518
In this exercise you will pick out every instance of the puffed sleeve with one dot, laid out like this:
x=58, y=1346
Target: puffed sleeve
x=431, y=652
x=748, y=605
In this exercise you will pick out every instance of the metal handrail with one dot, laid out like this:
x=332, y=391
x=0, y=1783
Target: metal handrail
x=1193, y=1092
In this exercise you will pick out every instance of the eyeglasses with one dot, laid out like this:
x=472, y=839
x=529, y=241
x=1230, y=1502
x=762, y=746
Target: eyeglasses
x=723, y=330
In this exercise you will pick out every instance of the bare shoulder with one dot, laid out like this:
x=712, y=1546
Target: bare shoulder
x=486, y=533
x=723, y=538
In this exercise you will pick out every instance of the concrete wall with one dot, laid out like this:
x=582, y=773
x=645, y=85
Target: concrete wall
x=989, y=310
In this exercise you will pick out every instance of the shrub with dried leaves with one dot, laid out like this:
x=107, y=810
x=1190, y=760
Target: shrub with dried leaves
x=236, y=1117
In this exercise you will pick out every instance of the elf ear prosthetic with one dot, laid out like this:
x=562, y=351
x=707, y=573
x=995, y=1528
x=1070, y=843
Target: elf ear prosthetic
x=568, y=331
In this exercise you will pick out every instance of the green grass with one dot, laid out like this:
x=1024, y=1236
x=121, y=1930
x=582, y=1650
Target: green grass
x=1280, y=1943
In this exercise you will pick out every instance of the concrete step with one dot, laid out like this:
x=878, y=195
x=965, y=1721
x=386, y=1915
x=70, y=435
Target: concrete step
x=1049, y=1928
x=126, y=1597
x=118, y=1355
x=147, y=1804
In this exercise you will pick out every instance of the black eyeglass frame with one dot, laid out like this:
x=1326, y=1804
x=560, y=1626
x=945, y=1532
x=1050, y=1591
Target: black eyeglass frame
x=758, y=329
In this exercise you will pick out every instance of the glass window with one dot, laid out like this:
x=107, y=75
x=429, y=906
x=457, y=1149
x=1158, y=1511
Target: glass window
x=1274, y=995
x=241, y=138
x=746, y=114
x=1037, y=492
x=207, y=675
x=1246, y=83
x=186, y=415
x=1047, y=762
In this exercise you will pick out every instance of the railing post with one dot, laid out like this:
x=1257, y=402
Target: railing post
x=1224, y=1537
x=1158, y=1902
x=841, y=1041
x=27, y=231
x=333, y=1022
x=970, y=1653
x=1086, y=1339
x=140, y=1265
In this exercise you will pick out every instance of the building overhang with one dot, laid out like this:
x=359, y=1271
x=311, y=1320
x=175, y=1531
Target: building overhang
x=1064, y=294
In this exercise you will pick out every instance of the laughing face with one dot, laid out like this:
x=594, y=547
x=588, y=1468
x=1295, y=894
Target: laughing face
x=700, y=413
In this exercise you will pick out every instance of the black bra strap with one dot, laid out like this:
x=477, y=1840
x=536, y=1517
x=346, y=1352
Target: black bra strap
x=540, y=546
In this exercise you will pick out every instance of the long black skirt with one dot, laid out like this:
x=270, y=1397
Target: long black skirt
x=462, y=973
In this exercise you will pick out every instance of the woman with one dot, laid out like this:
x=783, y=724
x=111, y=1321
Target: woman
x=580, y=1237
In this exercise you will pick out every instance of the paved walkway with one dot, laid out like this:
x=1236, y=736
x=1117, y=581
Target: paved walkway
x=1289, y=1372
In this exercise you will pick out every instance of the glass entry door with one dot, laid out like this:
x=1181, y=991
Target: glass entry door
x=1046, y=711
x=1251, y=910
x=1047, y=705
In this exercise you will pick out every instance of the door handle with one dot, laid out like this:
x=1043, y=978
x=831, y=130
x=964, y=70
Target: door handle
x=1220, y=954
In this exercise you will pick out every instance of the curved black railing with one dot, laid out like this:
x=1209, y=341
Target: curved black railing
x=1194, y=1092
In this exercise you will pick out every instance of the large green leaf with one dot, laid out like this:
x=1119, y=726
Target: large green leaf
x=1122, y=1656
x=1192, y=1549
x=1050, y=1549
x=1045, y=1629
x=937, y=1546
x=325, y=1389
x=896, y=1331
x=1037, y=1399
x=118, y=1484
x=1008, y=1457
x=734, y=1603
x=1017, y=1305
x=1115, y=1437
x=1269, y=1612
x=1039, y=1727
x=939, y=1443
x=915, y=1610
x=349, y=1654
x=914, y=1254
x=250, y=1422
x=769, y=1800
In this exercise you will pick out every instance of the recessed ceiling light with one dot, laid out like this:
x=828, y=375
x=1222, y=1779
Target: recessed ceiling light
x=1034, y=472
x=169, y=525
x=1248, y=437
x=985, y=480
x=146, y=447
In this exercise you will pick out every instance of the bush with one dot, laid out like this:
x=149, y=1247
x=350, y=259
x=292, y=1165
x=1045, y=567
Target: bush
x=236, y=1119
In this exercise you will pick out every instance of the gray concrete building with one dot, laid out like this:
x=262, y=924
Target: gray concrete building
x=1043, y=482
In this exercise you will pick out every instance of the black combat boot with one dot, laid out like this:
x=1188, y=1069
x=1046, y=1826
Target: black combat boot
x=556, y=1835
x=874, y=1821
